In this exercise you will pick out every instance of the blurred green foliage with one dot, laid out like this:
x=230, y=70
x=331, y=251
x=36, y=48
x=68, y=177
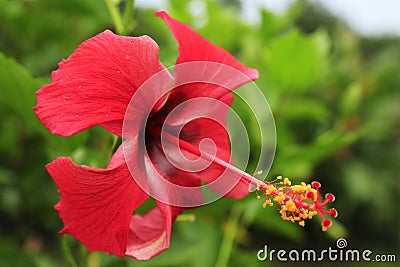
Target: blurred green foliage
x=335, y=99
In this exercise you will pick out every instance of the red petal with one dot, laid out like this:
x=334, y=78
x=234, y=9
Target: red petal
x=208, y=70
x=221, y=179
x=226, y=182
x=96, y=205
x=95, y=84
x=193, y=47
x=150, y=234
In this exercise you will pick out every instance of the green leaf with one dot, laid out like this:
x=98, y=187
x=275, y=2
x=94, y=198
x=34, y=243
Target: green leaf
x=15, y=258
x=351, y=99
x=17, y=98
x=298, y=160
x=270, y=23
x=179, y=10
x=18, y=90
x=310, y=108
x=296, y=62
x=225, y=23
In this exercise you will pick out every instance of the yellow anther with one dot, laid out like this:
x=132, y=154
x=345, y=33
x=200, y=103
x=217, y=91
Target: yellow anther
x=302, y=223
x=280, y=197
x=287, y=182
x=267, y=202
x=297, y=189
x=311, y=214
x=284, y=215
x=270, y=190
x=304, y=215
x=290, y=206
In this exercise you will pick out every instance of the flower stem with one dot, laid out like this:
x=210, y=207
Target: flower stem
x=230, y=233
x=116, y=16
x=67, y=252
x=127, y=16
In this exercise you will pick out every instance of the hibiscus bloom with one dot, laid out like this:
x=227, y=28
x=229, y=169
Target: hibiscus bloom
x=94, y=86
x=167, y=124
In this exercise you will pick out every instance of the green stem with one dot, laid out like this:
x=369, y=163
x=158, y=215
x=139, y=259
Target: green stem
x=230, y=232
x=128, y=15
x=116, y=16
x=67, y=252
x=84, y=256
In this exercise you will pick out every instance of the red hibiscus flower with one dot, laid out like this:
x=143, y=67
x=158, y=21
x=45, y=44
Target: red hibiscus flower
x=174, y=140
x=95, y=86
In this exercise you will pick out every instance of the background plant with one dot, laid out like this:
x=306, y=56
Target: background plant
x=335, y=97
